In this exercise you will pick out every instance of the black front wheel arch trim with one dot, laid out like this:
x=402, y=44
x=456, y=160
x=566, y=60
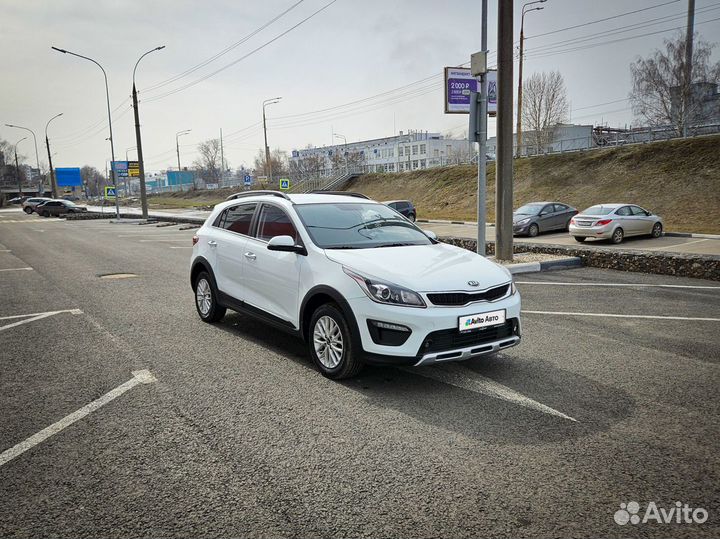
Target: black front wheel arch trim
x=341, y=302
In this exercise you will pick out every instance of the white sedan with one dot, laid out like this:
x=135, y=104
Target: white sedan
x=615, y=222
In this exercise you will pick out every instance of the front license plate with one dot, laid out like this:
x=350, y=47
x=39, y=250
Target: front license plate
x=482, y=320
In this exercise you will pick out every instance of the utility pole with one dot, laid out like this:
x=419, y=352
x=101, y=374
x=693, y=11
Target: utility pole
x=688, y=65
x=17, y=168
x=504, y=157
x=518, y=130
x=222, y=160
x=53, y=183
x=268, y=162
x=138, y=141
x=177, y=144
x=37, y=156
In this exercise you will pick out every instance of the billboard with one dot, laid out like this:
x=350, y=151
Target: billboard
x=68, y=177
x=459, y=82
x=120, y=168
x=133, y=168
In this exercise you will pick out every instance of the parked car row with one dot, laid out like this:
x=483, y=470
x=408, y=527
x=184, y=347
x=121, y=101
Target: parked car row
x=47, y=207
x=612, y=222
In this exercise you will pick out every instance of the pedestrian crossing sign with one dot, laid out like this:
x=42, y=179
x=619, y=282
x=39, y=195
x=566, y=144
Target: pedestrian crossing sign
x=109, y=192
x=284, y=184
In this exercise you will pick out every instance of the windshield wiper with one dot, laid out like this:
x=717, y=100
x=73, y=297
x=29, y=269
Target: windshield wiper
x=396, y=244
x=345, y=247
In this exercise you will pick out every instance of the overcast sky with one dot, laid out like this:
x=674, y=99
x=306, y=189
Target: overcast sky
x=350, y=51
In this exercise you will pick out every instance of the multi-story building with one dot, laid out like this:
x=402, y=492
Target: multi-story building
x=414, y=150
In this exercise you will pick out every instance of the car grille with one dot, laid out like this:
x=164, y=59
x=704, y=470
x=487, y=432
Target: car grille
x=463, y=298
x=451, y=339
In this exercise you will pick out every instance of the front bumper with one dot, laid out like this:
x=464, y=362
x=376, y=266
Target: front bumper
x=519, y=230
x=604, y=232
x=439, y=325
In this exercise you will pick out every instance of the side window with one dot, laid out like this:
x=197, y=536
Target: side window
x=393, y=205
x=547, y=209
x=560, y=207
x=238, y=218
x=625, y=211
x=637, y=210
x=274, y=222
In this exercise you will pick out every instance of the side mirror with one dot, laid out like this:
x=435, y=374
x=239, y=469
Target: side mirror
x=285, y=244
x=430, y=234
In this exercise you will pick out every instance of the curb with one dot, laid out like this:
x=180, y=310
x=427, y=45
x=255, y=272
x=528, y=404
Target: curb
x=570, y=262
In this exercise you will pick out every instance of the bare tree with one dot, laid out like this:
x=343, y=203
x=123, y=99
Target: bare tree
x=208, y=165
x=659, y=83
x=278, y=161
x=545, y=104
x=94, y=180
x=307, y=167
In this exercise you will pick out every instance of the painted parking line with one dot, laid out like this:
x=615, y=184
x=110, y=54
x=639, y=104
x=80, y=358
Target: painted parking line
x=5, y=251
x=161, y=239
x=139, y=377
x=181, y=247
x=612, y=315
x=16, y=269
x=464, y=378
x=27, y=318
x=629, y=285
x=680, y=245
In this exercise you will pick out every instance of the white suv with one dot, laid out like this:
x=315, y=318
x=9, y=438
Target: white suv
x=352, y=277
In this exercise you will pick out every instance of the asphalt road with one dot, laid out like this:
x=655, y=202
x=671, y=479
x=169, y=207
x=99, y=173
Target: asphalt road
x=239, y=436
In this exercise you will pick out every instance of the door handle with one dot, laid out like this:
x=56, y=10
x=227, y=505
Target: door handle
x=212, y=243
x=251, y=256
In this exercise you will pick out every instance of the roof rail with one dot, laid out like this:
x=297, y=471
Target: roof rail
x=341, y=193
x=258, y=193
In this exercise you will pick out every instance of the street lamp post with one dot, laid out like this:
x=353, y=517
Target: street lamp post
x=37, y=156
x=268, y=163
x=518, y=141
x=53, y=183
x=338, y=135
x=17, y=168
x=112, y=145
x=138, y=141
x=177, y=143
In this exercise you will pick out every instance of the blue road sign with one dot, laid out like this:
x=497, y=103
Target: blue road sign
x=109, y=192
x=68, y=177
x=247, y=180
x=284, y=184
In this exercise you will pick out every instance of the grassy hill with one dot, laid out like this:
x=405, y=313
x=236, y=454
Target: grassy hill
x=678, y=179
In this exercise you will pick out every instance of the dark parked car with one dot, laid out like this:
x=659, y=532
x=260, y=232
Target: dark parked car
x=58, y=207
x=404, y=207
x=72, y=198
x=31, y=203
x=536, y=217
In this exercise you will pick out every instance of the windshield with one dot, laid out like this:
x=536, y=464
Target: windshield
x=529, y=209
x=69, y=203
x=597, y=210
x=358, y=226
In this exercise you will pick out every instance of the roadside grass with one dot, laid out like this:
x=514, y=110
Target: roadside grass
x=679, y=180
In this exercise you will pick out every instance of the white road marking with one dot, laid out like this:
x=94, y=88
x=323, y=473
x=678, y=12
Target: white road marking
x=178, y=239
x=5, y=251
x=181, y=247
x=148, y=235
x=33, y=317
x=611, y=315
x=679, y=245
x=16, y=269
x=630, y=285
x=464, y=378
x=139, y=377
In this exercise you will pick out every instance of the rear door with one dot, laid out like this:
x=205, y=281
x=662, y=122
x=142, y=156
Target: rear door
x=623, y=215
x=232, y=233
x=562, y=216
x=271, y=278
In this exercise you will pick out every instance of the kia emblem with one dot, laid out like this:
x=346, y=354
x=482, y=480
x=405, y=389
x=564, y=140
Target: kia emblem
x=473, y=283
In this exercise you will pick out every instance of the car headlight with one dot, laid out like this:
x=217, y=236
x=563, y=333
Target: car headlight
x=523, y=221
x=385, y=292
x=513, y=288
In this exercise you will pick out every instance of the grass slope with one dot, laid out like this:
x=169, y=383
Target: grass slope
x=678, y=179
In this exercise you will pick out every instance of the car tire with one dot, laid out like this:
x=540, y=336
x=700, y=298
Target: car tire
x=657, y=230
x=331, y=344
x=533, y=230
x=206, y=299
x=617, y=236
x=45, y=214
x=411, y=217
x=28, y=210
x=579, y=239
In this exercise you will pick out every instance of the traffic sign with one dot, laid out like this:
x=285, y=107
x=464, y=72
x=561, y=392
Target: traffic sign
x=109, y=192
x=284, y=184
x=120, y=168
x=247, y=180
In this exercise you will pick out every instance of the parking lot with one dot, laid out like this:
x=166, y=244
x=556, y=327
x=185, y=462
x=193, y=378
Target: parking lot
x=228, y=430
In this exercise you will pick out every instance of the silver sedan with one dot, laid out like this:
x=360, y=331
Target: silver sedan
x=615, y=222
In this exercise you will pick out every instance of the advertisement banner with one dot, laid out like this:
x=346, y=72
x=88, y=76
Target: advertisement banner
x=459, y=82
x=133, y=168
x=120, y=168
x=68, y=177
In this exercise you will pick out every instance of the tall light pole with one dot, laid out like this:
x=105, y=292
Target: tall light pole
x=345, y=151
x=268, y=163
x=520, y=71
x=138, y=141
x=504, y=153
x=177, y=144
x=53, y=183
x=112, y=144
x=688, y=65
x=37, y=156
x=17, y=168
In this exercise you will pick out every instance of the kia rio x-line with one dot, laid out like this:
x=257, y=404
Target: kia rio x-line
x=353, y=278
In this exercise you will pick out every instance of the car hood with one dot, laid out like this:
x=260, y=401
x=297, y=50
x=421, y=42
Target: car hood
x=517, y=217
x=423, y=268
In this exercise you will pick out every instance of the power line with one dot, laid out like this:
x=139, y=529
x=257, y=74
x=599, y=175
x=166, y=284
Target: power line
x=224, y=51
x=602, y=20
x=213, y=73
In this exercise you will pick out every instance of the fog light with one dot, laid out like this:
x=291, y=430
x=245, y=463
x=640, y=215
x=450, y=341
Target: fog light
x=386, y=325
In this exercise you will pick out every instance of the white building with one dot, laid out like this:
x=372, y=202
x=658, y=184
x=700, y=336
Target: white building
x=414, y=150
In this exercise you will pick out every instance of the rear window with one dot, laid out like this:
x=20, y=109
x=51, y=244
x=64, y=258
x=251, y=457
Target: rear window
x=597, y=210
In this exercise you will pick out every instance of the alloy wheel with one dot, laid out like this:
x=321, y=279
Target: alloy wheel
x=328, y=342
x=203, y=296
